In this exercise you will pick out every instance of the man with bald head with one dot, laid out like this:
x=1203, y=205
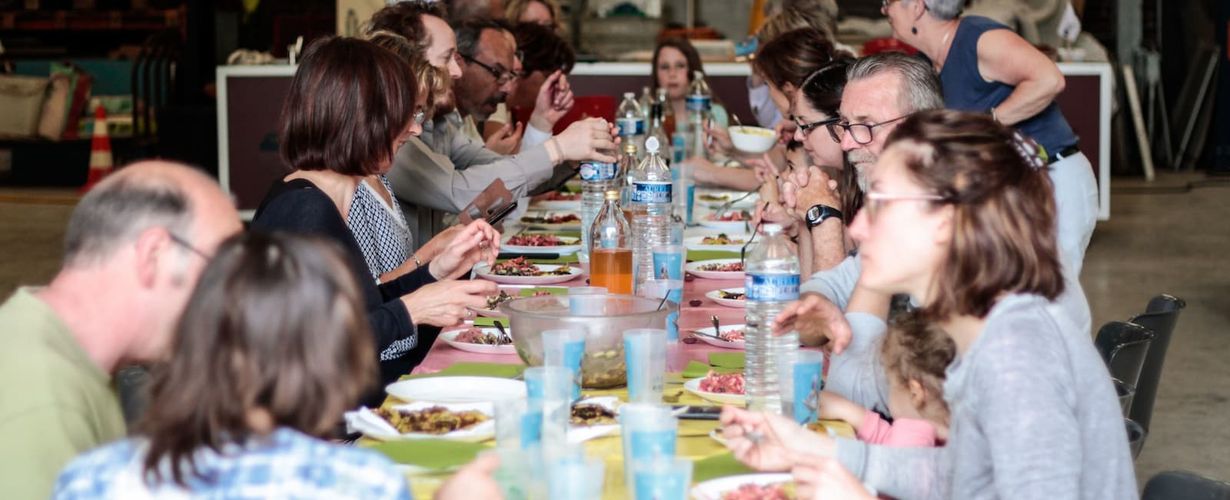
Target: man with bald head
x=135, y=246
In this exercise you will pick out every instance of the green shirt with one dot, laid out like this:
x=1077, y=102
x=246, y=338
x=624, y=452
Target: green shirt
x=54, y=401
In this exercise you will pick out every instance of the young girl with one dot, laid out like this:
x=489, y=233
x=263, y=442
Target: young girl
x=914, y=355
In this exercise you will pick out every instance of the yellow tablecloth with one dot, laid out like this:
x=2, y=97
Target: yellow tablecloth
x=693, y=442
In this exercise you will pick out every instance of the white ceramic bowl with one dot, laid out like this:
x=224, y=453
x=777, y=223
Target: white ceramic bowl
x=752, y=139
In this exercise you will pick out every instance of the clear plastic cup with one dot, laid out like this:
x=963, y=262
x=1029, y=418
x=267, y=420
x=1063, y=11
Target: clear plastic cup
x=518, y=424
x=550, y=388
x=647, y=431
x=802, y=385
x=661, y=478
x=565, y=348
x=645, y=355
x=668, y=261
x=575, y=478
x=672, y=289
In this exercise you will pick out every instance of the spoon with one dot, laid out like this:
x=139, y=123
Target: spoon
x=737, y=122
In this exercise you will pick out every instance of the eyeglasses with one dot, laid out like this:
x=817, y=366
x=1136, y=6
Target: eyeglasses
x=186, y=244
x=806, y=128
x=875, y=201
x=860, y=132
x=501, y=75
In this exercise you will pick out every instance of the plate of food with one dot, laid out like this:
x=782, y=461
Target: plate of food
x=541, y=242
x=729, y=242
x=484, y=340
x=519, y=271
x=492, y=309
x=729, y=297
x=717, y=269
x=552, y=220
x=559, y=200
x=471, y=422
x=456, y=389
x=718, y=198
x=731, y=336
x=775, y=486
x=721, y=388
x=730, y=221
x=592, y=418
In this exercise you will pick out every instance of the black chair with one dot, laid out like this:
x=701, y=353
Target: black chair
x=1123, y=346
x=1160, y=317
x=1182, y=485
x=1136, y=437
x=1125, y=393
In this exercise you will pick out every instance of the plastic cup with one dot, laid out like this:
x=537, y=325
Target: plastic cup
x=518, y=424
x=645, y=356
x=587, y=300
x=668, y=261
x=550, y=389
x=661, y=478
x=672, y=289
x=802, y=384
x=575, y=478
x=647, y=431
x=587, y=290
x=565, y=348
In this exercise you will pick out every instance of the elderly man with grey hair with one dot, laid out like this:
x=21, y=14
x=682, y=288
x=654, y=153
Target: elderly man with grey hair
x=133, y=251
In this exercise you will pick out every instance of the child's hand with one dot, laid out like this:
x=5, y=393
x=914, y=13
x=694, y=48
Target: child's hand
x=835, y=407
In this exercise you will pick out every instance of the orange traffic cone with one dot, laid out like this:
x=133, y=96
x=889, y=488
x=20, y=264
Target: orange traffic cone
x=100, y=150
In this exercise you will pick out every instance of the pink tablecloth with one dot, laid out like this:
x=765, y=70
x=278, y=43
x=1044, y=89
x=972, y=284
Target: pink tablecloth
x=690, y=318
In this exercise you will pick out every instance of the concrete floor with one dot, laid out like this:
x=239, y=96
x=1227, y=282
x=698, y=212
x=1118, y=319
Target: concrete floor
x=1161, y=238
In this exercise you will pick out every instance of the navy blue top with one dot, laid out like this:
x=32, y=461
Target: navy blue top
x=965, y=89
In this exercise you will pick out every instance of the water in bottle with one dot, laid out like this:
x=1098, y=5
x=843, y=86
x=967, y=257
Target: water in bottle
x=771, y=282
x=698, y=102
x=651, y=210
x=657, y=126
x=596, y=179
x=627, y=163
x=631, y=120
x=610, y=262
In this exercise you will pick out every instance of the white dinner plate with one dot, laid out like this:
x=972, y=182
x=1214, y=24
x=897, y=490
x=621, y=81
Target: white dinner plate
x=570, y=205
x=697, y=242
x=725, y=344
x=484, y=271
x=451, y=338
x=366, y=421
x=569, y=245
x=574, y=225
x=695, y=269
x=717, y=198
x=456, y=389
x=715, y=295
x=714, y=489
x=693, y=386
x=734, y=226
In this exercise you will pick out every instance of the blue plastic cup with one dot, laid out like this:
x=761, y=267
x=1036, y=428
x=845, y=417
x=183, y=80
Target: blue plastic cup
x=661, y=478
x=645, y=356
x=647, y=431
x=801, y=392
x=565, y=348
x=575, y=478
x=668, y=261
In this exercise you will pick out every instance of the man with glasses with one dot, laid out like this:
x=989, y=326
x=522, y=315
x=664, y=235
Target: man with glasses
x=134, y=248
x=487, y=54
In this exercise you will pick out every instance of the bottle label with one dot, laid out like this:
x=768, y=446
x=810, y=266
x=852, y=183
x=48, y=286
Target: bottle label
x=630, y=126
x=651, y=192
x=594, y=171
x=771, y=287
x=698, y=102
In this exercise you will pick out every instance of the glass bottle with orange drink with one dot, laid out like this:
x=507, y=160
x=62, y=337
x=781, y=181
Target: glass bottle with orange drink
x=610, y=258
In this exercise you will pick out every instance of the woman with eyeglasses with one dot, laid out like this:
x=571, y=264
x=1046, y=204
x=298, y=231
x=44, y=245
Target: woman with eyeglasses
x=986, y=67
x=351, y=105
x=959, y=217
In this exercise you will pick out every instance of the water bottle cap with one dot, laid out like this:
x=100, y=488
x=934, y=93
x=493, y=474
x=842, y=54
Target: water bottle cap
x=772, y=228
x=651, y=144
x=629, y=95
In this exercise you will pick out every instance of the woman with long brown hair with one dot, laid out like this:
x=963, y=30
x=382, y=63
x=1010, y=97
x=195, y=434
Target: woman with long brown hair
x=961, y=217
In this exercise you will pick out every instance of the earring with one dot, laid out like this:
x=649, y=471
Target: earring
x=914, y=30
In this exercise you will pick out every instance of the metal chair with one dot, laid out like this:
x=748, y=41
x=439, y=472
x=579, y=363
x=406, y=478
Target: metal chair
x=1136, y=437
x=1124, y=347
x=1182, y=485
x=1160, y=316
x=1125, y=393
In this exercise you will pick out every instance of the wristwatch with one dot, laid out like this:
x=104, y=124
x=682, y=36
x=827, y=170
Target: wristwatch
x=817, y=214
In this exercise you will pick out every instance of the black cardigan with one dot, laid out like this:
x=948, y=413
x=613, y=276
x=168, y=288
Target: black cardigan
x=300, y=207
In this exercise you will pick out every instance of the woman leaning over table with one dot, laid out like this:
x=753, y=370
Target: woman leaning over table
x=236, y=412
x=351, y=105
x=986, y=67
x=1034, y=414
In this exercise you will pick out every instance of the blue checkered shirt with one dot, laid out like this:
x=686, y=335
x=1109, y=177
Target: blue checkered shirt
x=286, y=464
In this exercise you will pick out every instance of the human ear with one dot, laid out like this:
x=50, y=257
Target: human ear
x=918, y=395
x=148, y=249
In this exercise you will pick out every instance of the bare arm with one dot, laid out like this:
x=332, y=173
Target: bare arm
x=705, y=173
x=1005, y=57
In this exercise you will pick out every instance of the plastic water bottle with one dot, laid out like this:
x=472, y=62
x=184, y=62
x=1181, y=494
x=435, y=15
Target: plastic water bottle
x=771, y=282
x=657, y=126
x=596, y=179
x=627, y=163
x=631, y=120
x=698, y=102
x=651, y=211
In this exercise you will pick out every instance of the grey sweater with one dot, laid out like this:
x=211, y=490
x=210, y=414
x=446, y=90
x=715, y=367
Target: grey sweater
x=1034, y=415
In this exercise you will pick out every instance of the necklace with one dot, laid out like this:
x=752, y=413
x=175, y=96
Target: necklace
x=939, y=62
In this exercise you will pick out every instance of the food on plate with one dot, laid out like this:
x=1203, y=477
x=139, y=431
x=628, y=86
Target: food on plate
x=541, y=293
x=732, y=267
x=551, y=219
x=732, y=216
x=434, y=420
x=735, y=335
x=722, y=383
x=732, y=295
x=536, y=240
x=494, y=301
x=560, y=196
x=521, y=267
x=475, y=336
x=592, y=414
x=753, y=491
x=721, y=239
x=713, y=197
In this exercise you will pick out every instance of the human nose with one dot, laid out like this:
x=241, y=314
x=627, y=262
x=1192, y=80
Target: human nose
x=861, y=224
x=847, y=141
x=454, y=69
x=798, y=134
